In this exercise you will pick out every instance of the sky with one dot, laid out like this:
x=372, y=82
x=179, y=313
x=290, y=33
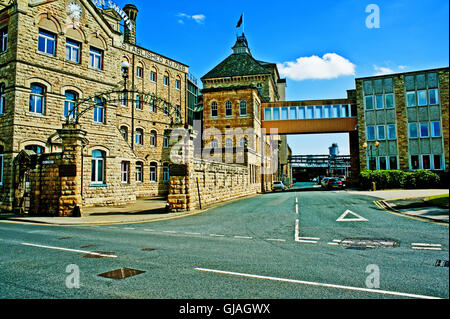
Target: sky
x=320, y=46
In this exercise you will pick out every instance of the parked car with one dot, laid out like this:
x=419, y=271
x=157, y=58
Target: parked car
x=332, y=182
x=278, y=186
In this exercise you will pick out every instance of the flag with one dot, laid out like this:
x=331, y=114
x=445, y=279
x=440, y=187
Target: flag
x=240, y=21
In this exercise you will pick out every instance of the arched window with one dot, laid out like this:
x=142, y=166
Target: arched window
x=139, y=137
x=35, y=148
x=228, y=143
x=166, y=141
x=214, y=143
x=98, y=167
x=214, y=109
x=243, y=108
x=153, y=136
x=153, y=75
x=124, y=132
x=139, y=103
x=139, y=172
x=69, y=104
x=243, y=142
x=228, y=108
x=99, y=111
x=2, y=151
x=166, y=79
x=166, y=172
x=153, y=172
x=2, y=98
x=47, y=42
x=37, y=98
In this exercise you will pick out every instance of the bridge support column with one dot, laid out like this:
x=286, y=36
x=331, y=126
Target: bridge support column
x=354, y=158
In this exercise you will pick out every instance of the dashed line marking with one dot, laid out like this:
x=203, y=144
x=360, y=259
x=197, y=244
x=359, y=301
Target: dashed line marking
x=426, y=245
x=169, y=231
x=275, y=239
x=129, y=228
x=191, y=233
x=243, y=237
x=216, y=235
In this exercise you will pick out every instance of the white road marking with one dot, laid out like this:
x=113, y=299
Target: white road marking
x=310, y=238
x=216, y=235
x=334, y=244
x=297, y=230
x=129, y=228
x=190, y=233
x=296, y=209
x=426, y=245
x=296, y=199
x=275, y=239
x=243, y=237
x=169, y=231
x=337, y=240
x=357, y=219
x=318, y=284
x=427, y=248
x=306, y=241
x=71, y=250
x=148, y=230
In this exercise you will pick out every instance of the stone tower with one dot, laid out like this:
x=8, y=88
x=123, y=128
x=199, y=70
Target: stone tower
x=130, y=26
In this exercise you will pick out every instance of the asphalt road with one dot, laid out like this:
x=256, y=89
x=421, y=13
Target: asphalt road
x=304, y=243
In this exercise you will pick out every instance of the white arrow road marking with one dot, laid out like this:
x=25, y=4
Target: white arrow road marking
x=357, y=219
x=318, y=284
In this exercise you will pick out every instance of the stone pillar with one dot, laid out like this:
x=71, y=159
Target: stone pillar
x=70, y=170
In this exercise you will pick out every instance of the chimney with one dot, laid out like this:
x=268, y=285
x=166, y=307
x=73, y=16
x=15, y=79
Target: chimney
x=130, y=35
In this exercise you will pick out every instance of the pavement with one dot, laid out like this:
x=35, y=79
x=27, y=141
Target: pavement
x=408, y=202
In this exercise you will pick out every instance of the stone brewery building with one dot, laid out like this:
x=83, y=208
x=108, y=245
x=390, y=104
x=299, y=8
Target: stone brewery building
x=87, y=116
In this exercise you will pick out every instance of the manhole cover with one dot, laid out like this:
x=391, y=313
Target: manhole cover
x=121, y=273
x=148, y=249
x=365, y=243
x=98, y=254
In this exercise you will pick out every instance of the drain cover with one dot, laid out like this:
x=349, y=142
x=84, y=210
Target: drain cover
x=441, y=263
x=121, y=273
x=98, y=254
x=364, y=243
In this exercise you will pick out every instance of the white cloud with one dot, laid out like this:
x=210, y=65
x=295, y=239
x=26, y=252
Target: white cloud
x=330, y=66
x=381, y=70
x=199, y=18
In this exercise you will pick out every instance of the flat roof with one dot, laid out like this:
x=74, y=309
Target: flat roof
x=399, y=73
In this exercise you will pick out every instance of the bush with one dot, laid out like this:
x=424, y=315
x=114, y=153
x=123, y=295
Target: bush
x=403, y=179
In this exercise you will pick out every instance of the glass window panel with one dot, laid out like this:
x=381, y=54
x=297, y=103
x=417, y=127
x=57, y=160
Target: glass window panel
x=370, y=133
x=422, y=97
x=381, y=134
x=301, y=113
x=310, y=112
x=424, y=130
x=372, y=163
x=327, y=111
x=426, y=162
x=433, y=97
x=393, y=162
x=413, y=133
x=336, y=111
x=345, y=111
x=319, y=112
x=284, y=113
x=276, y=113
x=389, y=99
x=369, y=102
x=436, y=129
x=382, y=163
x=414, y=161
x=392, y=135
x=379, y=102
x=410, y=98
x=292, y=113
x=437, y=161
x=267, y=114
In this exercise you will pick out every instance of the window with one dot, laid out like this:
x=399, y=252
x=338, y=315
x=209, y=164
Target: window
x=2, y=151
x=153, y=169
x=73, y=50
x=125, y=172
x=139, y=72
x=95, y=58
x=123, y=99
x=345, y=111
x=410, y=99
x=3, y=40
x=426, y=162
x=436, y=161
x=153, y=138
x=310, y=112
x=267, y=114
x=370, y=133
x=433, y=96
x=213, y=109
x=99, y=111
x=243, y=142
x=178, y=84
x=139, y=172
x=228, y=143
x=293, y=113
x=166, y=80
x=393, y=162
x=228, y=108
x=372, y=163
x=436, y=129
x=381, y=133
x=139, y=137
x=276, y=113
x=301, y=113
x=166, y=141
x=46, y=42
x=369, y=102
x=422, y=97
x=2, y=98
x=379, y=102
x=139, y=104
x=424, y=132
x=153, y=76
x=37, y=98
x=35, y=148
x=166, y=172
x=382, y=163
x=389, y=101
x=391, y=132
x=98, y=167
x=284, y=113
x=153, y=105
x=243, y=108
x=336, y=111
x=214, y=143
x=69, y=104
x=413, y=132
x=319, y=112
x=124, y=132
x=414, y=161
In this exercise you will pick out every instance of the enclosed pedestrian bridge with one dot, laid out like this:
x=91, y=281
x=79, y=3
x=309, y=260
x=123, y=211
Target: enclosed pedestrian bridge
x=310, y=117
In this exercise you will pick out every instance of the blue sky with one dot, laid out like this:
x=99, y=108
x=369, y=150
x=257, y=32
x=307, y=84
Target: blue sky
x=329, y=37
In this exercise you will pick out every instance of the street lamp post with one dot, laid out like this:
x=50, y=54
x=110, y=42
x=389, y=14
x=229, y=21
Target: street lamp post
x=370, y=148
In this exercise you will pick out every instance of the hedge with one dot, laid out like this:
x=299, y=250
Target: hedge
x=403, y=179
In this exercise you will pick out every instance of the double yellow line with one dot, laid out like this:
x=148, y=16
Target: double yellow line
x=382, y=205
